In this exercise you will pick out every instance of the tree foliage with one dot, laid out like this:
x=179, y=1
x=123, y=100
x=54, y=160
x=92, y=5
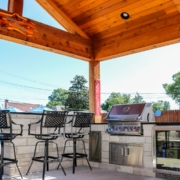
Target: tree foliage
x=137, y=98
x=173, y=90
x=160, y=105
x=78, y=95
x=58, y=97
x=116, y=98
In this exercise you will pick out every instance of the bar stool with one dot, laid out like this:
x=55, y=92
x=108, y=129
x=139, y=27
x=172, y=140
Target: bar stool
x=48, y=128
x=7, y=135
x=80, y=125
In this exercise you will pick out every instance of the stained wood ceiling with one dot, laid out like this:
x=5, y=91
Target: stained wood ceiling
x=152, y=23
x=96, y=31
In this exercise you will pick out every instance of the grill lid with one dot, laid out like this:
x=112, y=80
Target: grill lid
x=130, y=112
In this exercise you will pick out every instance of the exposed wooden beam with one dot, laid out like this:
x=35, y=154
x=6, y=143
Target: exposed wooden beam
x=165, y=35
x=94, y=92
x=52, y=39
x=94, y=74
x=177, y=3
x=15, y=6
x=61, y=17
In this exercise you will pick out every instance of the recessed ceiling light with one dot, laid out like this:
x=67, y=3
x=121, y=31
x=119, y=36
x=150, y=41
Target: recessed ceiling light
x=125, y=15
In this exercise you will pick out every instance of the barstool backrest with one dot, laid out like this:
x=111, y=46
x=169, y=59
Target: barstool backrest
x=51, y=120
x=82, y=119
x=5, y=119
x=54, y=118
x=5, y=122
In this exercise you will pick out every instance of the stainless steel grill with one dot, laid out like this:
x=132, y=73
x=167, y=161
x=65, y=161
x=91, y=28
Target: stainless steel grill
x=127, y=118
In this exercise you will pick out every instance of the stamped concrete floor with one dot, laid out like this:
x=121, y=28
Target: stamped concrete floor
x=82, y=173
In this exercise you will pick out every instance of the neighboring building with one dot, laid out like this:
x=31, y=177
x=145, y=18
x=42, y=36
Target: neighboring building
x=22, y=106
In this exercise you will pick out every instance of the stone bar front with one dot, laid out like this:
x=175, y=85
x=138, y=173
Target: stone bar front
x=25, y=148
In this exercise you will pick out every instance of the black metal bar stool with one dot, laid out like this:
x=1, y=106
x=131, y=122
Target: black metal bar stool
x=7, y=135
x=80, y=126
x=52, y=122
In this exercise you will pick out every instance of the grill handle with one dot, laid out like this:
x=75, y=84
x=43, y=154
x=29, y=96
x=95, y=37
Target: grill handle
x=122, y=151
x=148, y=117
x=126, y=151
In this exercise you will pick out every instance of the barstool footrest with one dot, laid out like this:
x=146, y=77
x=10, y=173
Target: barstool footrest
x=51, y=159
x=11, y=161
x=70, y=155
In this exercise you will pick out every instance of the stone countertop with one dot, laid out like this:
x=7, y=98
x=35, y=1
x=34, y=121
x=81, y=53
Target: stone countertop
x=156, y=123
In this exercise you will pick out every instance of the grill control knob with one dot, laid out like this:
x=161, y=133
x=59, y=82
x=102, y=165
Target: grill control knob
x=131, y=128
x=138, y=127
x=112, y=128
x=126, y=128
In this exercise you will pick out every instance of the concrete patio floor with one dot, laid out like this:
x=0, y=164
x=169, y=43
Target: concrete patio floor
x=82, y=173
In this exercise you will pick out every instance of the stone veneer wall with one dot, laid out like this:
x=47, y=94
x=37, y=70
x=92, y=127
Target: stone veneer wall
x=146, y=140
x=25, y=148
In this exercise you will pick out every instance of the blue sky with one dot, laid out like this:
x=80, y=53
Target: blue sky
x=30, y=75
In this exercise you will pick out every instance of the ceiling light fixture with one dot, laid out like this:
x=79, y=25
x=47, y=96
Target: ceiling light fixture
x=125, y=15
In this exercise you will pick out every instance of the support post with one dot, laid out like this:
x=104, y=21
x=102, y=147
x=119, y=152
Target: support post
x=94, y=90
x=15, y=6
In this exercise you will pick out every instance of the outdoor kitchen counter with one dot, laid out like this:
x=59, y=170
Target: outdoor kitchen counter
x=25, y=148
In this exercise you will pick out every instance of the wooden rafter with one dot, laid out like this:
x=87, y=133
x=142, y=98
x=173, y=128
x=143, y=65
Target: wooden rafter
x=51, y=39
x=15, y=6
x=61, y=17
x=177, y=3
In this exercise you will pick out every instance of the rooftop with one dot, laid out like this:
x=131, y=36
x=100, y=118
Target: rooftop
x=22, y=106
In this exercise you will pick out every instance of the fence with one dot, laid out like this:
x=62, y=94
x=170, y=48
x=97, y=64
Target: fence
x=169, y=116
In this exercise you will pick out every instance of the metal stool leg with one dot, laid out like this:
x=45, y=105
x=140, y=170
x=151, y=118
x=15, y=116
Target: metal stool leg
x=86, y=153
x=16, y=160
x=74, y=155
x=45, y=158
x=63, y=153
x=2, y=155
x=33, y=156
x=59, y=158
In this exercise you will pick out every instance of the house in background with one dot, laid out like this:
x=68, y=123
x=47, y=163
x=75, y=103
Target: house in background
x=22, y=106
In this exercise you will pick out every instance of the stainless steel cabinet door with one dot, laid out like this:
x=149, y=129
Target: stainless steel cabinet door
x=133, y=154
x=116, y=153
x=95, y=146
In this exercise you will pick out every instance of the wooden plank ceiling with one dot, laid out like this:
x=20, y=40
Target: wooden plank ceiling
x=152, y=23
x=95, y=29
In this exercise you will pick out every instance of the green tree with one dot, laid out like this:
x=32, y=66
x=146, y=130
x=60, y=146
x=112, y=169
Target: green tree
x=173, y=90
x=137, y=98
x=58, y=97
x=116, y=98
x=160, y=105
x=78, y=94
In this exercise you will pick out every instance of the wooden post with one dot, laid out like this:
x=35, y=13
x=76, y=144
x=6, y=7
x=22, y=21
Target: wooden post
x=94, y=89
x=15, y=6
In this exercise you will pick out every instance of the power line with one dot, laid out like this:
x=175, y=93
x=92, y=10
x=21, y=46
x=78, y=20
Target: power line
x=131, y=93
x=20, y=86
x=27, y=79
